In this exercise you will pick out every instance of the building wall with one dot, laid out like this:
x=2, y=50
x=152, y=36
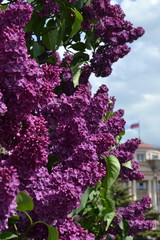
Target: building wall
x=150, y=185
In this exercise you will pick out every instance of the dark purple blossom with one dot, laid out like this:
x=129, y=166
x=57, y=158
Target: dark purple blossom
x=51, y=79
x=132, y=174
x=137, y=226
x=3, y=108
x=84, y=77
x=134, y=214
x=31, y=150
x=69, y=230
x=103, y=142
x=49, y=7
x=104, y=57
x=9, y=184
x=116, y=125
x=125, y=151
x=67, y=59
x=18, y=14
x=113, y=30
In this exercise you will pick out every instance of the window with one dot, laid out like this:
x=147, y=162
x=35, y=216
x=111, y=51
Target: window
x=155, y=156
x=141, y=185
x=140, y=157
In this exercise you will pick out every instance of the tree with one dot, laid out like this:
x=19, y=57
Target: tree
x=57, y=140
x=120, y=195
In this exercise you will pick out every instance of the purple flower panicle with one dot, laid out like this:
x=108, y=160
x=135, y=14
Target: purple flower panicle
x=9, y=186
x=134, y=215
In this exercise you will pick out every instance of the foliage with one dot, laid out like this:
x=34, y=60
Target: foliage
x=99, y=214
x=153, y=234
x=58, y=141
x=120, y=195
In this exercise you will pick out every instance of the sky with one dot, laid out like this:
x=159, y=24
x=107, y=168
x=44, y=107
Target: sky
x=135, y=80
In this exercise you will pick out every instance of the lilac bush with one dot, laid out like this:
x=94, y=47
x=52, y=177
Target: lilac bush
x=56, y=135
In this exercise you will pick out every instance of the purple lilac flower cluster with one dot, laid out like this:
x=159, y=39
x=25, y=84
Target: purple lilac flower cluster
x=69, y=230
x=125, y=152
x=51, y=7
x=134, y=215
x=9, y=184
x=3, y=107
x=113, y=30
x=67, y=86
x=37, y=123
x=104, y=57
x=23, y=134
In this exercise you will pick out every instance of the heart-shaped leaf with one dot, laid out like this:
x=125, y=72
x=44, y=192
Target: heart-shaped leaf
x=24, y=202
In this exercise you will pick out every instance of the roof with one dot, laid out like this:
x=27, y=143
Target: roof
x=145, y=145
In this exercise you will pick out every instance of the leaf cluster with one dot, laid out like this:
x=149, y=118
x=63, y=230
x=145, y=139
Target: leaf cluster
x=46, y=34
x=98, y=204
x=97, y=209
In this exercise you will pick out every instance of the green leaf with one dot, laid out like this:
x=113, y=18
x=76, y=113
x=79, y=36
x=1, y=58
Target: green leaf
x=109, y=204
x=118, y=237
x=108, y=115
x=90, y=39
x=77, y=23
x=3, y=7
x=113, y=170
x=79, y=57
x=3, y=150
x=28, y=27
x=124, y=225
x=87, y=2
x=92, y=195
x=77, y=37
x=24, y=202
x=52, y=161
x=119, y=137
x=51, y=39
x=121, y=225
x=84, y=199
x=38, y=25
x=127, y=164
x=79, y=46
x=109, y=218
x=13, y=219
x=94, y=21
x=30, y=1
x=78, y=4
x=7, y=235
x=62, y=31
x=52, y=233
x=38, y=6
x=37, y=49
x=128, y=238
x=76, y=77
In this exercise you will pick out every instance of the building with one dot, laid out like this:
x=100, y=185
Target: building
x=149, y=158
